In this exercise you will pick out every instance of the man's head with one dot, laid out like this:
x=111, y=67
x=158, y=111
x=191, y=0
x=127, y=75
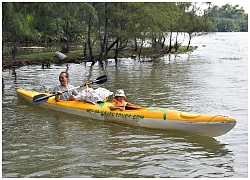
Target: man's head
x=64, y=78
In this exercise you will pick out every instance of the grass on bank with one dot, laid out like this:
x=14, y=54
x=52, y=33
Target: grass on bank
x=48, y=55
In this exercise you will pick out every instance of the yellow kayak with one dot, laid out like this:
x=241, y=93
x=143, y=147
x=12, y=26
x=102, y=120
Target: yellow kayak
x=150, y=117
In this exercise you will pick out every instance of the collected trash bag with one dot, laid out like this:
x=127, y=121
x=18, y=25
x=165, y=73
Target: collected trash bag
x=60, y=55
x=94, y=96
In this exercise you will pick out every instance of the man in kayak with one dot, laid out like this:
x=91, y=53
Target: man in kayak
x=64, y=86
x=119, y=101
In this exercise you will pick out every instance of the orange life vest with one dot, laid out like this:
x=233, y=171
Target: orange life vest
x=118, y=103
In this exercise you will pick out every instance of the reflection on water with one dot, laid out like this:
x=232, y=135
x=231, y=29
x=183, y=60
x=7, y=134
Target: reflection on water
x=75, y=147
x=37, y=142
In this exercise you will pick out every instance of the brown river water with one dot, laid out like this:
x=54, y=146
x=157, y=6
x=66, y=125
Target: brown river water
x=213, y=79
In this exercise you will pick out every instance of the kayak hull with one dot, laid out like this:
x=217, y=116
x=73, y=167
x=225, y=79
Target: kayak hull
x=151, y=117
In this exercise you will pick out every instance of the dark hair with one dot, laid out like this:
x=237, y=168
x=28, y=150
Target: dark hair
x=67, y=74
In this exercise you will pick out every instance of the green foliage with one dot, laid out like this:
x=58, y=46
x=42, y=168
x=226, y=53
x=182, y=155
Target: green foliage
x=111, y=27
x=230, y=18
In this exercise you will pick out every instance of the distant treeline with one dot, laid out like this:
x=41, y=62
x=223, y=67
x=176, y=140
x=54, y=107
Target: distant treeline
x=115, y=26
x=229, y=18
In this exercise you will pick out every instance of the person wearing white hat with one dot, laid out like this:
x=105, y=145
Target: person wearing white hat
x=119, y=101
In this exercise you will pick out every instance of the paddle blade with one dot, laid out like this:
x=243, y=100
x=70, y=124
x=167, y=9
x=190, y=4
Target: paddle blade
x=101, y=79
x=40, y=99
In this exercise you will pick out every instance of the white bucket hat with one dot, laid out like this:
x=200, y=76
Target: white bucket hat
x=120, y=92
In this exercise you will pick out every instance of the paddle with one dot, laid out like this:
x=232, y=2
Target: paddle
x=43, y=98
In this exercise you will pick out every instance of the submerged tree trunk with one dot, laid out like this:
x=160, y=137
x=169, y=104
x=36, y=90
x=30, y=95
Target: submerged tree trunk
x=176, y=45
x=139, y=55
x=170, y=42
x=163, y=42
x=136, y=46
x=189, y=40
x=116, y=52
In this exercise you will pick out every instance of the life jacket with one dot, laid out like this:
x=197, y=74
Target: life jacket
x=119, y=104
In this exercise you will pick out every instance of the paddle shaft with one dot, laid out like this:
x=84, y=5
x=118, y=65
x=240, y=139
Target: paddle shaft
x=47, y=97
x=42, y=98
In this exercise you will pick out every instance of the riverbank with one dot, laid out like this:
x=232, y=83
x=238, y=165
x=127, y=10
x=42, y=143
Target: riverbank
x=45, y=59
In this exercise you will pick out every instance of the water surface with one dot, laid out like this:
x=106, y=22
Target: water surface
x=213, y=79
